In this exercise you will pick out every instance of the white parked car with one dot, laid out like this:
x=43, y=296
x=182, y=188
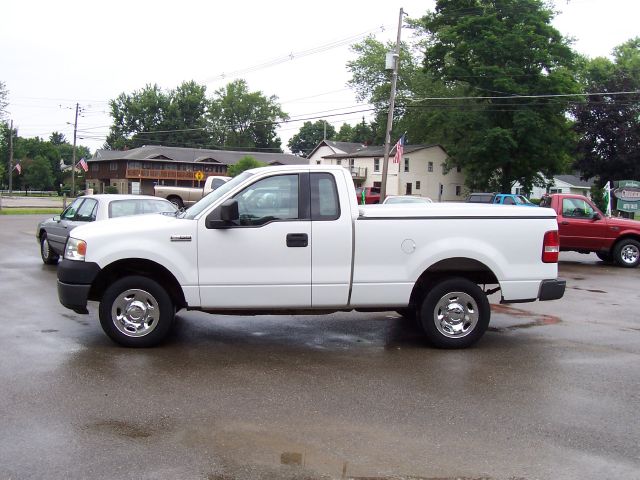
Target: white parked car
x=52, y=233
x=395, y=199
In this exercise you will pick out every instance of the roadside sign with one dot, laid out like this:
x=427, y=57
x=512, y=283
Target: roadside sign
x=199, y=175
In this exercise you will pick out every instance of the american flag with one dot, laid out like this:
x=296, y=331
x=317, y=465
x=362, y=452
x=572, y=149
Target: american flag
x=83, y=164
x=18, y=168
x=399, y=150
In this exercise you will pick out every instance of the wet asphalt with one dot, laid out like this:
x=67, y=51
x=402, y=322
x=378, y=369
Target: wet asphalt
x=550, y=392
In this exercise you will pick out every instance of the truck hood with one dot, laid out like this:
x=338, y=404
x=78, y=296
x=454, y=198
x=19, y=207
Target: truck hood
x=452, y=210
x=623, y=223
x=129, y=225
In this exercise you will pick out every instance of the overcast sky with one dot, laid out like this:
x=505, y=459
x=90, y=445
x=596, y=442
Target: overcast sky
x=54, y=54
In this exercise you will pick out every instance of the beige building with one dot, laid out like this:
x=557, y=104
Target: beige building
x=421, y=171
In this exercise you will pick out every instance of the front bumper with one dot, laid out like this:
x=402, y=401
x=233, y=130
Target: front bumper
x=552, y=289
x=74, y=283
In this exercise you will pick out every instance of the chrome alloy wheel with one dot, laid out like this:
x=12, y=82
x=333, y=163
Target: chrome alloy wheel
x=629, y=254
x=456, y=314
x=135, y=313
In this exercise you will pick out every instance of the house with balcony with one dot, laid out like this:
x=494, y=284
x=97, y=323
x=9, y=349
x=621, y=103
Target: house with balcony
x=139, y=169
x=421, y=171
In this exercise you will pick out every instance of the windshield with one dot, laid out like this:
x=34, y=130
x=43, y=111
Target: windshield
x=211, y=198
x=520, y=200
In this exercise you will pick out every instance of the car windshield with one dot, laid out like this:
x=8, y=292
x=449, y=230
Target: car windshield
x=218, y=193
x=520, y=200
x=406, y=200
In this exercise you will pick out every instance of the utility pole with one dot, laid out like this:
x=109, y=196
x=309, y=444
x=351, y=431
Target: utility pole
x=73, y=156
x=392, y=101
x=11, y=158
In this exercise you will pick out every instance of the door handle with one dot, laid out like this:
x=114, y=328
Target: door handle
x=297, y=240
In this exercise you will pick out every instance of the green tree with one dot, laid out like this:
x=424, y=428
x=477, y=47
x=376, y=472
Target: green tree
x=57, y=138
x=309, y=136
x=345, y=133
x=502, y=49
x=37, y=173
x=245, y=120
x=245, y=163
x=609, y=125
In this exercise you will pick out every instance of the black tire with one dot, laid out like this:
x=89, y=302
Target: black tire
x=466, y=320
x=605, y=256
x=409, y=313
x=49, y=257
x=177, y=201
x=136, y=311
x=626, y=253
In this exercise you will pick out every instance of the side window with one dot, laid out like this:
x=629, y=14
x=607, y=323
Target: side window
x=508, y=201
x=123, y=208
x=576, y=208
x=87, y=211
x=268, y=200
x=324, y=197
x=71, y=210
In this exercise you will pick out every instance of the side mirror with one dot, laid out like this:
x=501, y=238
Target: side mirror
x=56, y=218
x=224, y=216
x=229, y=211
x=596, y=216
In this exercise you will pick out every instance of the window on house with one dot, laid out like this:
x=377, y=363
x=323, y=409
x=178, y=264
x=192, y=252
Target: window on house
x=376, y=164
x=458, y=190
x=113, y=166
x=406, y=164
x=430, y=167
x=338, y=162
x=458, y=169
x=95, y=167
x=417, y=185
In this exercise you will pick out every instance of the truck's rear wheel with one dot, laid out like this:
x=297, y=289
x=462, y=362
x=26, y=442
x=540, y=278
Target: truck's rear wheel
x=136, y=311
x=455, y=313
x=627, y=253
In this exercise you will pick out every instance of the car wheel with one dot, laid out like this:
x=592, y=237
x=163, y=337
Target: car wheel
x=455, y=313
x=627, y=253
x=49, y=257
x=605, y=256
x=177, y=201
x=136, y=311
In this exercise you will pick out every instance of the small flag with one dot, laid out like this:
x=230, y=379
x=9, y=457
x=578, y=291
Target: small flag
x=83, y=164
x=607, y=198
x=18, y=168
x=399, y=150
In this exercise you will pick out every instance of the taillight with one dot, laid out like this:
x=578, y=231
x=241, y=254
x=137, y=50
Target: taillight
x=551, y=247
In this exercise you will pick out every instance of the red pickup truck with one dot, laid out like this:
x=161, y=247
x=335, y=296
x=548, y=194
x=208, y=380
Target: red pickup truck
x=583, y=228
x=371, y=195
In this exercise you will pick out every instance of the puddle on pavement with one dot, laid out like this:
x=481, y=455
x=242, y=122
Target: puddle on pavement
x=587, y=290
x=75, y=318
x=120, y=428
x=535, y=319
x=48, y=330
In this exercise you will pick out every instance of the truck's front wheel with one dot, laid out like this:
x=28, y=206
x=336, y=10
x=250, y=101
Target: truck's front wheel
x=136, y=311
x=177, y=201
x=627, y=253
x=455, y=313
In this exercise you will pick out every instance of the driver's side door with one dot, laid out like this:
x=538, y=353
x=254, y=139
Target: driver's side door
x=262, y=260
x=577, y=226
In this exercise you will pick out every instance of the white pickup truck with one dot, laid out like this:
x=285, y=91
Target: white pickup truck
x=186, y=196
x=292, y=239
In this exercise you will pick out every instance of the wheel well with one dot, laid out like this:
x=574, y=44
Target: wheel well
x=137, y=266
x=472, y=270
x=624, y=237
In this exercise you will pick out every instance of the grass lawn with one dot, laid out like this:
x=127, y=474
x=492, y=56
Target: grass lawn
x=30, y=211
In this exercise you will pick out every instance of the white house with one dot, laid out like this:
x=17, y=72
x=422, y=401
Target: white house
x=421, y=171
x=561, y=184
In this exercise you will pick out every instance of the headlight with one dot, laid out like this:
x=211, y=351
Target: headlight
x=75, y=249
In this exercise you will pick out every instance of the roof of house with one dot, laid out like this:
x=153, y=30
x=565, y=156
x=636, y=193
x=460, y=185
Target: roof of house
x=574, y=180
x=376, y=151
x=337, y=147
x=191, y=155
